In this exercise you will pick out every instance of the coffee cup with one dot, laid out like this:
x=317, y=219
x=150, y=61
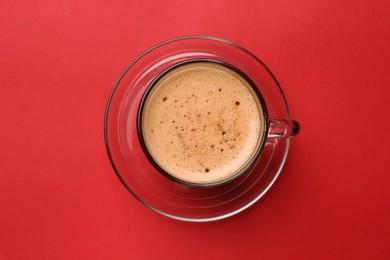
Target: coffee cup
x=203, y=122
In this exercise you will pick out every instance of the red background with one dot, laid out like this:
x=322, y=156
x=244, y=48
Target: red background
x=60, y=198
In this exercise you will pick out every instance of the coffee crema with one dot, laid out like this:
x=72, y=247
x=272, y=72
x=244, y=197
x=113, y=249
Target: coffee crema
x=202, y=122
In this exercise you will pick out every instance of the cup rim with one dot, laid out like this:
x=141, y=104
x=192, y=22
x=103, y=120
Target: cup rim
x=256, y=153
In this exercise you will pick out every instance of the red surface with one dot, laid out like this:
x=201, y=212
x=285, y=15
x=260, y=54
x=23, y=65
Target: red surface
x=60, y=198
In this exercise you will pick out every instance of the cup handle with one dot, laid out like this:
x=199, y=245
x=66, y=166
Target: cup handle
x=282, y=128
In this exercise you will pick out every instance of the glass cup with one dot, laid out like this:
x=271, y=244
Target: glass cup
x=158, y=189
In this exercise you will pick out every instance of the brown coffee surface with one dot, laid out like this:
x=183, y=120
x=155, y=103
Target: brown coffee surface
x=202, y=122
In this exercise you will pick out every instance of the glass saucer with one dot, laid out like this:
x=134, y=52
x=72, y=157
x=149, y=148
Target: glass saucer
x=149, y=186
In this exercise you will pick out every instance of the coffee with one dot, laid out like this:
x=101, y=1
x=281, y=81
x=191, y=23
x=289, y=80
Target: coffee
x=202, y=122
